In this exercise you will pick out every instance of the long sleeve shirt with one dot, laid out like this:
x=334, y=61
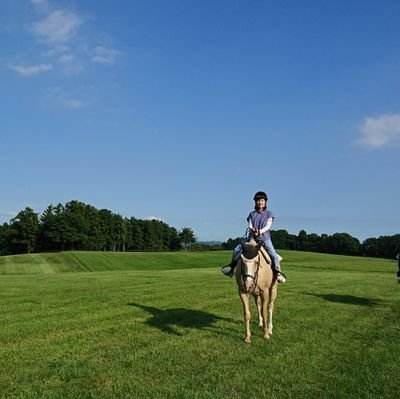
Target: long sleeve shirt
x=262, y=221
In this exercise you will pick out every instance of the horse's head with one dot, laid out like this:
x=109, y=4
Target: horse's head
x=250, y=248
x=249, y=272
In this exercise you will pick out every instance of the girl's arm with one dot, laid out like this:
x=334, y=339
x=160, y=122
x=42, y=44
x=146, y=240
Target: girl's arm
x=267, y=226
x=251, y=227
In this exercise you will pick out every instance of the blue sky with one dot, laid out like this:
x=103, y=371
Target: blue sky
x=181, y=110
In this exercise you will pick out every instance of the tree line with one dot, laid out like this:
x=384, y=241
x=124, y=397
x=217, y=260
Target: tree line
x=338, y=243
x=78, y=226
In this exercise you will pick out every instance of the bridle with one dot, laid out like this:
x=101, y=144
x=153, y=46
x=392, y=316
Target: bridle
x=251, y=250
x=252, y=277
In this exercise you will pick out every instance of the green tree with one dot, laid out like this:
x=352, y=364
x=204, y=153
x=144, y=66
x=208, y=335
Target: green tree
x=231, y=243
x=383, y=246
x=106, y=227
x=187, y=237
x=93, y=239
x=149, y=235
x=283, y=240
x=51, y=228
x=173, y=239
x=75, y=231
x=119, y=232
x=343, y=244
x=135, y=234
x=24, y=229
x=302, y=241
x=4, y=239
x=315, y=243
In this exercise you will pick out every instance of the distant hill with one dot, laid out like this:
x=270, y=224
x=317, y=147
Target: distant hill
x=210, y=242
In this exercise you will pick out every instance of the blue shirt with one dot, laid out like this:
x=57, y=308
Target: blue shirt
x=259, y=220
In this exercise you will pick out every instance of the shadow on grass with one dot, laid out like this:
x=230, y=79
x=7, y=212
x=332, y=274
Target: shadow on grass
x=169, y=320
x=348, y=299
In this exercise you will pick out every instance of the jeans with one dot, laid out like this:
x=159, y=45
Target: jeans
x=272, y=254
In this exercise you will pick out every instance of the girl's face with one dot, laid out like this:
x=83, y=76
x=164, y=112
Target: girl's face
x=261, y=203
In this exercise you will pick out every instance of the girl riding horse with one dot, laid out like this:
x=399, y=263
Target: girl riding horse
x=259, y=223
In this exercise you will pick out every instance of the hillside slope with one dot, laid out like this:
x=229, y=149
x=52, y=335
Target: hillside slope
x=76, y=261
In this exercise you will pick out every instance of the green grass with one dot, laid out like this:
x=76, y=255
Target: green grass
x=50, y=263
x=170, y=326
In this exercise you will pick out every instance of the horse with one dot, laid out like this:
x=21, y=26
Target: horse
x=254, y=276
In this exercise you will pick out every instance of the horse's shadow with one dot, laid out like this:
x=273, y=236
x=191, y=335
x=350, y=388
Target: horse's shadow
x=169, y=320
x=347, y=299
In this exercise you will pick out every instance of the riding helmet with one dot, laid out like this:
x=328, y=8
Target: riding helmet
x=260, y=194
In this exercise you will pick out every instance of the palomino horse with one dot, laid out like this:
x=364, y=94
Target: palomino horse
x=254, y=276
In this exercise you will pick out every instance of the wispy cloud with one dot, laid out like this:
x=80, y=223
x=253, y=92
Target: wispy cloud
x=58, y=31
x=59, y=96
x=58, y=27
x=41, y=5
x=31, y=69
x=66, y=58
x=70, y=64
x=380, y=131
x=104, y=55
x=72, y=103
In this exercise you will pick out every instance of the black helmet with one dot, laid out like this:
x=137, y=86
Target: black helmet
x=260, y=194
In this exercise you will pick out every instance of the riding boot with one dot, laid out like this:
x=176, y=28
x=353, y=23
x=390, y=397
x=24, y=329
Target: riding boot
x=280, y=277
x=228, y=270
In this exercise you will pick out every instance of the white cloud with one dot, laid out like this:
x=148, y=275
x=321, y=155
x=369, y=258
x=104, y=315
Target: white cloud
x=72, y=103
x=58, y=27
x=104, y=55
x=31, y=69
x=58, y=50
x=57, y=95
x=58, y=30
x=381, y=131
x=41, y=5
x=66, y=58
x=70, y=64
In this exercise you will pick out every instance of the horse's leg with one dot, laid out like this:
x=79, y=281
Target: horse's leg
x=264, y=303
x=247, y=316
x=273, y=292
x=257, y=300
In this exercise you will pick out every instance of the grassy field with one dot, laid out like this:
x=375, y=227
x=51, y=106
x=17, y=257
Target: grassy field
x=145, y=325
x=50, y=263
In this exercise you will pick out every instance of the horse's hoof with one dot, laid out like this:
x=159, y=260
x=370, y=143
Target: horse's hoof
x=266, y=336
x=247, y=340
